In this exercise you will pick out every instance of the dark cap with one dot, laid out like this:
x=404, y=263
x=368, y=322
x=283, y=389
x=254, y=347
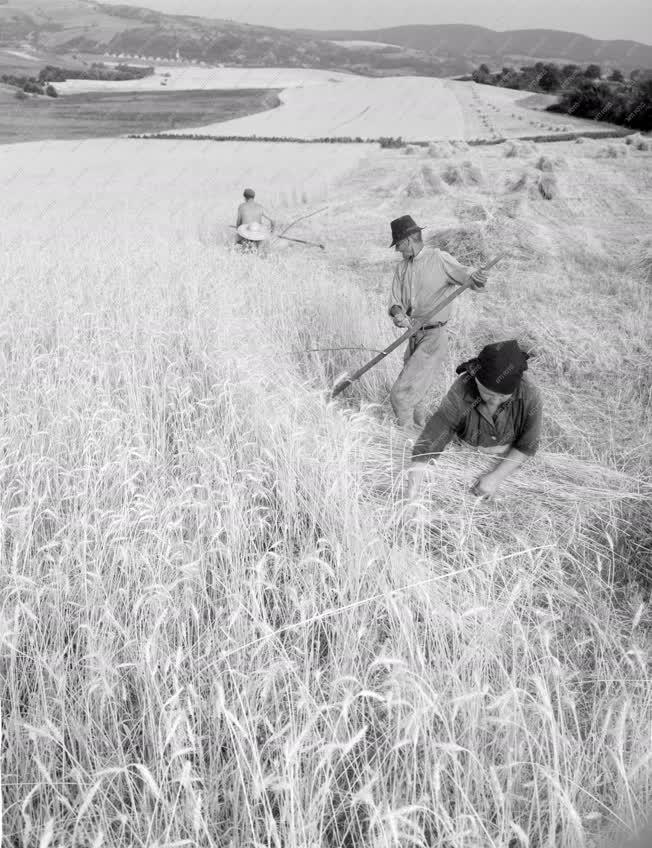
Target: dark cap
x=402, y=228
x=249, y=192
x=498, y=366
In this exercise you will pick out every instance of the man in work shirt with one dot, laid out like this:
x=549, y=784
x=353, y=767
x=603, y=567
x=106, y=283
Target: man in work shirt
x=424, y=277
x=490, y=407
x=251, y=212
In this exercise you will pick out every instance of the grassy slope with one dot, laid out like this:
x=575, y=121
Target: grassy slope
x=220, y=625
x=110, y=114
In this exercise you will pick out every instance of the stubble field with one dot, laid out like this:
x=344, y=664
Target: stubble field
x=328, y=104
x=220, y=624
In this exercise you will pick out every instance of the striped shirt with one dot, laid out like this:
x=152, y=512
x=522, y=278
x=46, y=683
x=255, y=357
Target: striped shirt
x=420, y=283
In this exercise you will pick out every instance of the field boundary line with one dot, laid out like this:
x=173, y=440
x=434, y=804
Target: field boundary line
x=472, y=142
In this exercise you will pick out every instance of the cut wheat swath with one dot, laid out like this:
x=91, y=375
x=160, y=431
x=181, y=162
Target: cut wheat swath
x=347, y=381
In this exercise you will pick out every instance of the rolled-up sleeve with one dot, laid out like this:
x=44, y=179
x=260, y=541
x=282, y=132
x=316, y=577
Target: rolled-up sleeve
x=528, y=438
x=454, y=270
x=396, y=294
x=441, y=427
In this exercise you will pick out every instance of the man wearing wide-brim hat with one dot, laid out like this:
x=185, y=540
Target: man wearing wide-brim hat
x=252, y=235
x=253, y=224
x=423, y=278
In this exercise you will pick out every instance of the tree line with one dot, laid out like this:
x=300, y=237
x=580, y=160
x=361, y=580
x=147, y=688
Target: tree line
x=25, y=85
x=583, y=92
x=97, y=71
x=42, y=84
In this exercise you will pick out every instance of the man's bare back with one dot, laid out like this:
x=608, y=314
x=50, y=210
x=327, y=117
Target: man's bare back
x=251, y=212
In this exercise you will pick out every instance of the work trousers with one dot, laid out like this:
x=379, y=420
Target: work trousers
x=422, y=366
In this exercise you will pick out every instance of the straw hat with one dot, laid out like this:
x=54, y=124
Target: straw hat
x=253, y=231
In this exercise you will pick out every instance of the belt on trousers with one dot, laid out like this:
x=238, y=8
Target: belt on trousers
x=434, y=326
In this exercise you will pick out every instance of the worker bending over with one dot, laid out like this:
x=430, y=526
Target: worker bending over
x=491, y=407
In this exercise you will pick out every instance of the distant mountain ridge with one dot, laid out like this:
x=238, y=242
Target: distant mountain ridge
x=479, y=42
x=66, y=27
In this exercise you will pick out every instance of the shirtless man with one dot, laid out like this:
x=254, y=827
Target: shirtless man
x=251, y=212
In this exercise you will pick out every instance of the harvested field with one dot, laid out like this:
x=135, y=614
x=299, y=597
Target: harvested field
x=320, y=104
x=192, y=79
x=359, y=106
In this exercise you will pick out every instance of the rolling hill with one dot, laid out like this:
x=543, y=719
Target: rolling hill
x=479, y=43
x=84, y=26
x=64, y=27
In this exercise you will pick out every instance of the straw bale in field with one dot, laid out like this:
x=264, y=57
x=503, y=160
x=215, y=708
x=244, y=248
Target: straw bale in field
x=548, y=187
x=467, y=243
x=518, y=149
x=415, y=188
x=638, y=142
x=472, y=212
x=545, y=164
x=611, y=151
x=520, y=182
x=425, y=184
x=472, y=173
x=465, y=174
x=433, y=183
x=440, y=150
x=452, y=175
x=511, y=207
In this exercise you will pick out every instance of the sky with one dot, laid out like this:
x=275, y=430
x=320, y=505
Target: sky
x=630, y=19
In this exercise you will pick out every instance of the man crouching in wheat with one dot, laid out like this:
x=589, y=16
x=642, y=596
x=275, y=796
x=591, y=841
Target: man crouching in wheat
x=424, y=277
x=492, y=407
x=253, y=225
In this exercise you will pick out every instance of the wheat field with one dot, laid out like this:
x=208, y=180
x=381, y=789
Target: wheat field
x=221, y=625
